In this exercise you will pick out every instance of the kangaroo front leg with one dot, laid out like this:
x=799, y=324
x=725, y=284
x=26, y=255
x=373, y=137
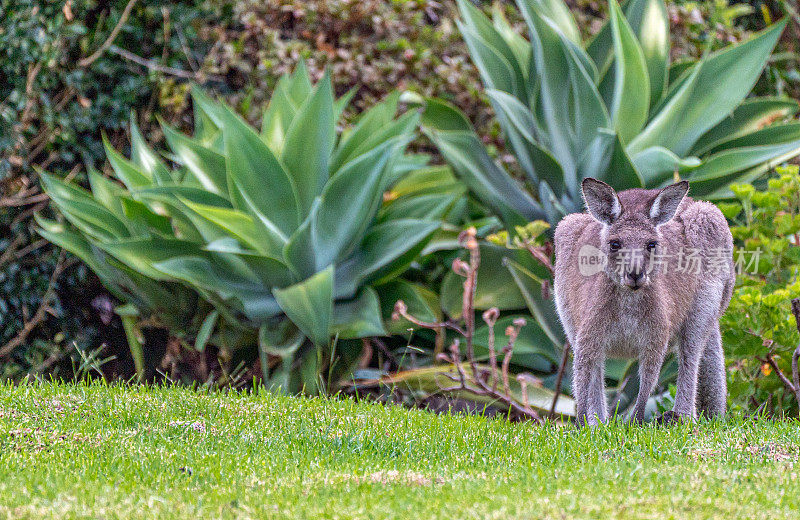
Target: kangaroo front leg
x=650, y=363
x=589, y=387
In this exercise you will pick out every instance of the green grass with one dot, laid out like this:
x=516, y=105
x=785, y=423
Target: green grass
x=94, y=451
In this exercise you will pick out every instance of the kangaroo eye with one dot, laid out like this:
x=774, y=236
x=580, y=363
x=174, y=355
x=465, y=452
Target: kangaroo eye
x=615, y=245
x=651, y=246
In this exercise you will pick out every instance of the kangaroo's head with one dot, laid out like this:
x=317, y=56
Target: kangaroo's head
x=630, y=234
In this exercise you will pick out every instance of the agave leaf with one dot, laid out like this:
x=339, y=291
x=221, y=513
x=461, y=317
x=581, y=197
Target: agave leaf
x=309, y=304
x=387, y=250
x=77, y=244
x=82, y=210
x=341, y=103
x=493, y=186
x=723, y=168
x=141, y=221
x=257, y=182
x=299, y=87
x=256, y=301
x=125, y=170
x=140, y=254
x=205, y=331
x=106, y=192
x=367, y=126
x=565, y=83
x=494, y=58
x=556, y=11
x=309, y=144
x=748, y=117
x=631, y=92
x=349, y=202
x=707, y=93
x=540, y=164
x=650, y=21
x=271, y=271
x=359, y=317
x=300, y=250
x=206, y=166
x=240, y=225
x=519, y=46
x=658, y=165
x=542, y=309
x=145, y=158
x=278, y=116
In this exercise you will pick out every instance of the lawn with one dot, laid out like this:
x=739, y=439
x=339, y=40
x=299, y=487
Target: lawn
x=96, y=451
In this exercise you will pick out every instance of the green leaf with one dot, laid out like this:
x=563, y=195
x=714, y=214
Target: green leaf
x=257, y=182
x=206, y=166
x=387, y=250
x=556, y=11
x=359, y=317
x=309, y=304
x=657, y=165
x=240, y=225
x=204, y=333
x=82, y=210
x=540, y=163
x=752, y=115
x=368, y=125
x=145, y=158
x=542, y=309
x=707, y=93
x=631, y=93
x=349, y=202
x=141, y=254
x=309, y=144
x=650, y=21
x=490, y=183
x=278, y=116
x=130, y=175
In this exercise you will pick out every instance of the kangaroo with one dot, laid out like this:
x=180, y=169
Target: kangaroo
x=644, y=270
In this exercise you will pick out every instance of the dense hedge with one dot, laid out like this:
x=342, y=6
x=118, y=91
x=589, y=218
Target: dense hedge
x=54, y=105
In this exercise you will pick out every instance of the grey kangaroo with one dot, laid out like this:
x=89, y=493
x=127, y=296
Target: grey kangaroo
x=642, y=271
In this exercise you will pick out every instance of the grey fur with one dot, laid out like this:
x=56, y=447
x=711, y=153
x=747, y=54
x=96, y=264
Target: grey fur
x=651, y=304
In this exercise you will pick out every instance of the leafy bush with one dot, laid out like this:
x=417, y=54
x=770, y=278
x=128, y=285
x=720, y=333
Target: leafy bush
x=277, y=232
x=759, y=332
x=614, y=109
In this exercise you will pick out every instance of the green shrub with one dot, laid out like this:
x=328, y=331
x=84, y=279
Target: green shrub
x=276, y=232
x=613, y=108
x=758, y=328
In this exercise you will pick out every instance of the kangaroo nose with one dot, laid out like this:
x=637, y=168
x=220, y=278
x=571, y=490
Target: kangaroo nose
x=635, y=275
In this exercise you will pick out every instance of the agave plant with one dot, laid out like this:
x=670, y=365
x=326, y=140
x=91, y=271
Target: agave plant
x=277, y=232
x=613, y=108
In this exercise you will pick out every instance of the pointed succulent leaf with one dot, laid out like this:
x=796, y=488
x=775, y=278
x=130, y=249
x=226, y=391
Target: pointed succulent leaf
x=631, y=92
x=359, y=317
x=309, y=144
x=707, y=93
x=205, y=165
x=753, y=114
x=309, y=304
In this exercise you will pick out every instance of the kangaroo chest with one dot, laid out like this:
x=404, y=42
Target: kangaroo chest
x=632, y=325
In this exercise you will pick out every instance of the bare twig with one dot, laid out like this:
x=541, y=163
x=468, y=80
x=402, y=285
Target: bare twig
x=85, y=62
x=41, y=312
x=477, y=381
x=153, y=65
x=559, y=378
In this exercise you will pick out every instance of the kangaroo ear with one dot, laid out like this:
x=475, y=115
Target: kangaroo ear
x=601, y=201
x=667, y=201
